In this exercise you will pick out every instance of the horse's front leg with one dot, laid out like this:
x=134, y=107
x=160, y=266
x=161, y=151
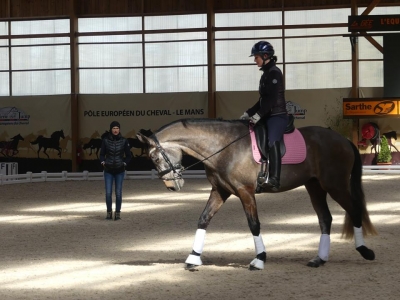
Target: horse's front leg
x=215, y=201
x=247, y=197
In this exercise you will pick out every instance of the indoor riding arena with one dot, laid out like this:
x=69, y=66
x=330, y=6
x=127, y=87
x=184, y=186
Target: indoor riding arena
x=57, y=244
x=229, y=124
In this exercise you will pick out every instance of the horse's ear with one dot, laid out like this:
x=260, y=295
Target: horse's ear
x=144, y=139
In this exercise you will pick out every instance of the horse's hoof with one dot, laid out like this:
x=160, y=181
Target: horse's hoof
x=316, y=262
x=253, y=268
x=256, y=265
x=191, y=267
x=366, y=253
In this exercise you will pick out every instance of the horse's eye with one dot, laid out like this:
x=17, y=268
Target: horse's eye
x=154, y=157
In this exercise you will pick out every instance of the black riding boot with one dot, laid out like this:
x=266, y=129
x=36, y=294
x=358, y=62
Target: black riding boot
x=117, y=216
x=275, y=161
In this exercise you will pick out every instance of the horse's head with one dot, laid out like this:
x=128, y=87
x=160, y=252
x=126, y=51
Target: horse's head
x=18, y=137
x=167, y=161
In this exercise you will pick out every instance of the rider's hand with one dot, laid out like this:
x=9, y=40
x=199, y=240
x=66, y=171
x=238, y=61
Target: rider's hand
x=245, y=116
x=255, y=118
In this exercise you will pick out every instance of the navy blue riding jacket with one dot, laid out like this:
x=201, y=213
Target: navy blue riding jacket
x=272, y=92
x=115, y=152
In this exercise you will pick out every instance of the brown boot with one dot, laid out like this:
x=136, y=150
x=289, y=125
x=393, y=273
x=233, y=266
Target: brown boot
x=109, y=215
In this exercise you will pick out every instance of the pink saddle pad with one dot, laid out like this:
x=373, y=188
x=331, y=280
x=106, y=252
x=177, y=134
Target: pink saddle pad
x=295, y=148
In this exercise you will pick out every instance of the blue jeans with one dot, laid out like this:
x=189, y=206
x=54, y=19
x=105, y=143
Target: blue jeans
x=108, y=179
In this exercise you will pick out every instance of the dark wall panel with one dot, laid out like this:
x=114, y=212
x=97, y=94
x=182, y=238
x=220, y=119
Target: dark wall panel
x=4, y=8
x=39, y=8
x=108, y=7
x=174, y=6
x=391, y=65
x=53, y=8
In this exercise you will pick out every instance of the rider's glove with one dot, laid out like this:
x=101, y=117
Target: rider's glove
x=255, y=118
x=245, y=116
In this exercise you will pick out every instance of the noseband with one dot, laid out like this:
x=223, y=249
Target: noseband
x=176, y=169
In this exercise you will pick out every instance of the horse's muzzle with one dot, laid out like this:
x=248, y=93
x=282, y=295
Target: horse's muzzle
x=174, y=184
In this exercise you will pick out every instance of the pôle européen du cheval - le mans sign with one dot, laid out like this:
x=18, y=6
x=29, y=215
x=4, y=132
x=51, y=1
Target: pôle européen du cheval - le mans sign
x=370, y=107
x=374, y=23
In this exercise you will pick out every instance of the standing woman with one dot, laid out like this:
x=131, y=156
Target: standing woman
x=115, y=155
x=270, y=108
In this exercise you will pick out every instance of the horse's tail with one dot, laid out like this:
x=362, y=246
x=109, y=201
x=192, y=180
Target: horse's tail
x=37, y=140
x=358, y=200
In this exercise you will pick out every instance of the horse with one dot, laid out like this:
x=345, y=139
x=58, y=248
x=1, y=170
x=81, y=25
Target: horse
x=389, y=136
x=11, y=146
x=64, y=143
x=93, y=144
x=135, y=143
x=332, y=165
x=53, y=142
x=26, y=143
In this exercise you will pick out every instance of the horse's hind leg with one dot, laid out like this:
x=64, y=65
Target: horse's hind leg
x=356, y=215
x=318, y=200
x=215, y=201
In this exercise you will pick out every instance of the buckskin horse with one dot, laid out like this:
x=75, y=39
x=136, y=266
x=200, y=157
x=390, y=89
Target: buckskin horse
x=332, y=165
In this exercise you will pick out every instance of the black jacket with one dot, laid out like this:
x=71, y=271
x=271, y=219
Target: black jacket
x=272, y=92
x=115, y=152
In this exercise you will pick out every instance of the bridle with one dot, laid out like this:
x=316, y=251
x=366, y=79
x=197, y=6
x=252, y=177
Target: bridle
x=177, y=169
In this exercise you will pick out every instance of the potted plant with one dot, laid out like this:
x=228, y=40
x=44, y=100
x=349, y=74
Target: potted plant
x=384, y=155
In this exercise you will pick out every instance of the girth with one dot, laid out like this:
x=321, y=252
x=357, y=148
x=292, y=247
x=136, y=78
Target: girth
x=261, y=135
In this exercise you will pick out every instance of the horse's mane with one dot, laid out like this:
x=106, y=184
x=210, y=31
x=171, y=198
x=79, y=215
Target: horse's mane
x=56, y=133
x=186, y=122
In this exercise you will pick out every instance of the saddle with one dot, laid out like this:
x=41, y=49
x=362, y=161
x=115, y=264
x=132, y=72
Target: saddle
x=261, y=135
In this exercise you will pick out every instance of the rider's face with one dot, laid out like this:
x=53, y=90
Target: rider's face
x=115, y=130
x=259, y=60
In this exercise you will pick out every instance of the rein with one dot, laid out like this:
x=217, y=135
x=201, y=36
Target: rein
x=220, y=150
x=178, y=169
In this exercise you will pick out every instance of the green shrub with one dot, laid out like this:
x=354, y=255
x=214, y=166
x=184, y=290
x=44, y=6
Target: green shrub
x=384, y=154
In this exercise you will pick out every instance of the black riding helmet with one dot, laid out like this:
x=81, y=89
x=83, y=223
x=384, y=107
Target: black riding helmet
x=261, y=48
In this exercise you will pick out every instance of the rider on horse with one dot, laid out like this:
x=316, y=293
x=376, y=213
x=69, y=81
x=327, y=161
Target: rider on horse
x=271, y=106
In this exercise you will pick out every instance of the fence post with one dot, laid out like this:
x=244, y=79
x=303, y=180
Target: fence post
x=29, y=175
x=1, y=179
x=85, y=175
x=44, y=175
x=64, y=175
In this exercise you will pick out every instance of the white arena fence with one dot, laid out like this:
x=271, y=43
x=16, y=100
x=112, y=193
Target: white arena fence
x=86, y=175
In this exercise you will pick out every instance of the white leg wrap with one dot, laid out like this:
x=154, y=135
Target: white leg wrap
x=259, y=244
x=324, y=246
x=194, y=260
x=199, y=238
x=358, y=236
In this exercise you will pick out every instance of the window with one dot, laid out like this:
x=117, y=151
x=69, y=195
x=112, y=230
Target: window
x=40, y=65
